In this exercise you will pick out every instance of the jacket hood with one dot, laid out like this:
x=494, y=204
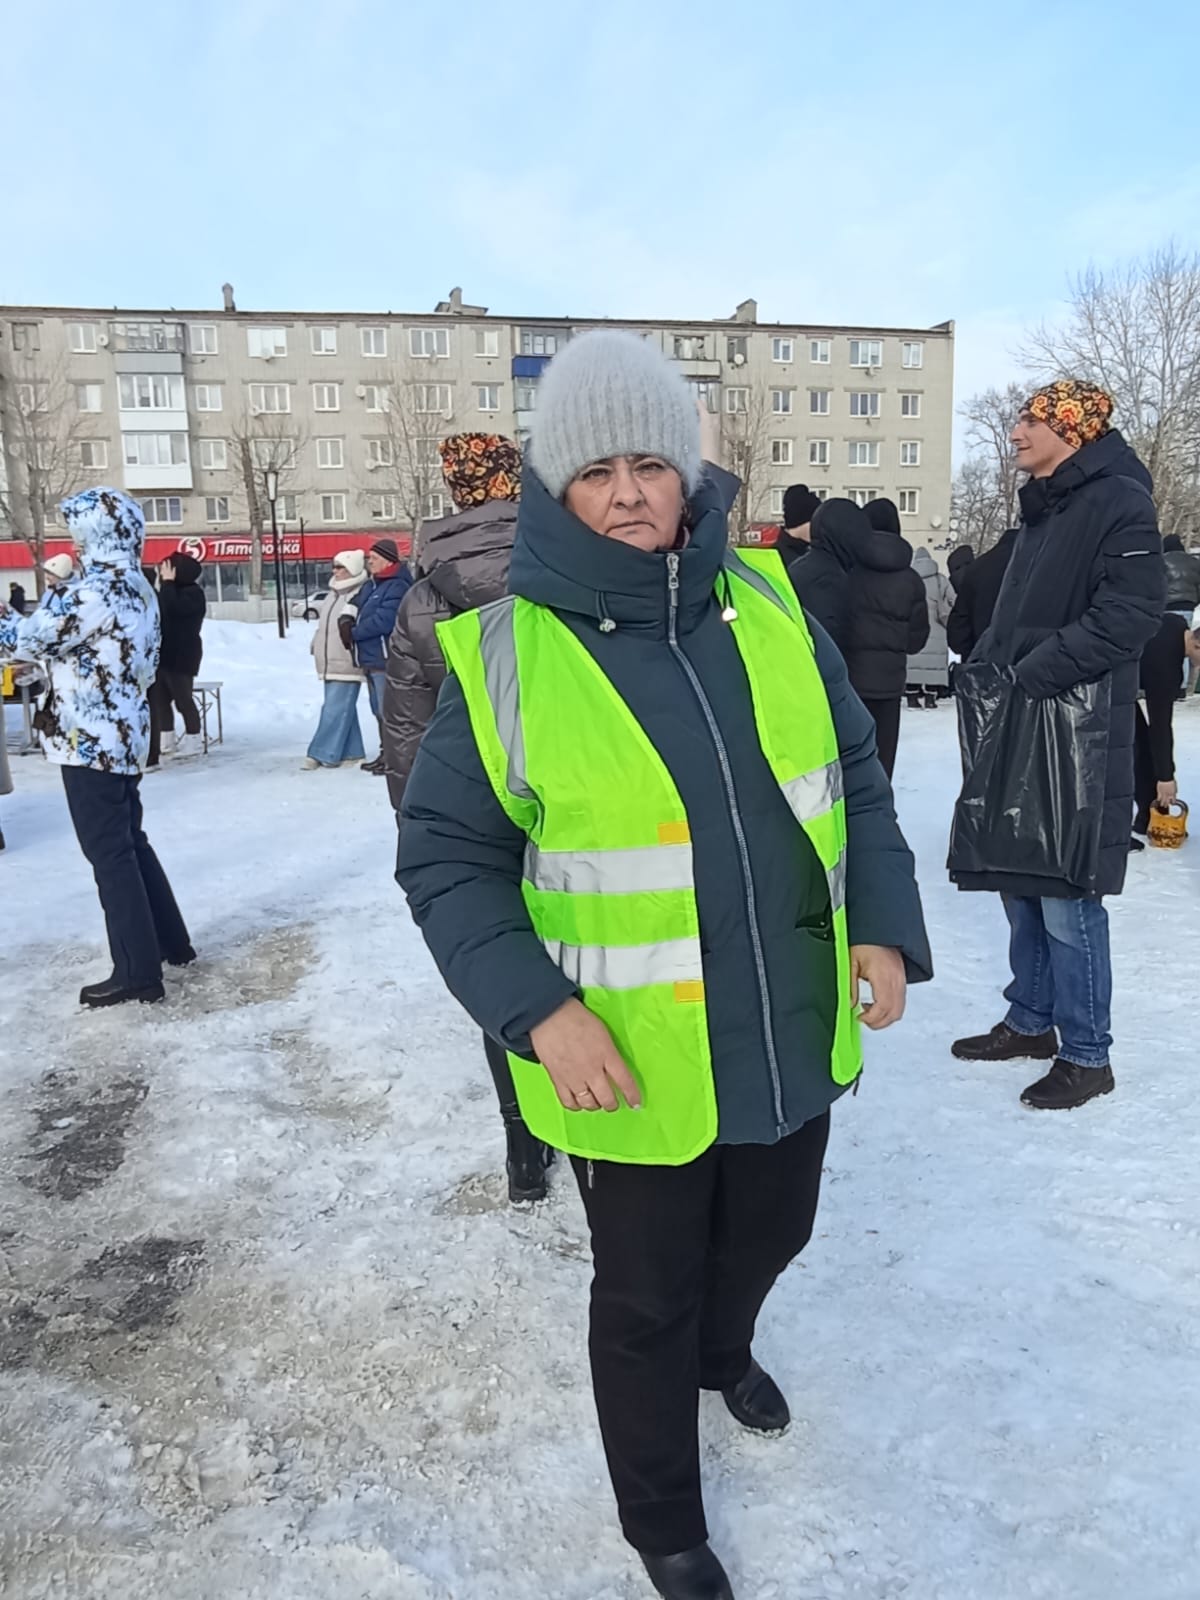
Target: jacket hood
x=187, y=568
x=1171, y=543
x=923, y=563
x=465, y=556
x=1107, y=457
x=559, y=562
x=960, y=558
x=842, y=528
x=107, y=526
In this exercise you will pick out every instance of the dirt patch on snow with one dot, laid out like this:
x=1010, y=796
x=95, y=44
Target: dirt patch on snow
x=86, y=1133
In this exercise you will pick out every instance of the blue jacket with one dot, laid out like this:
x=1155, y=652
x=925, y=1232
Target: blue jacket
x=460, y=856
x=377, y=605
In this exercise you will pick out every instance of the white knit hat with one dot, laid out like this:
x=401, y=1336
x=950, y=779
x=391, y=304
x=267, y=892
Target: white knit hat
x=610, y=393
x=60, y=567
x=354, y=561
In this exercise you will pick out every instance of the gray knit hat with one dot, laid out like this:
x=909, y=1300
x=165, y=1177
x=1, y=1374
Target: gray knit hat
x=609, y=393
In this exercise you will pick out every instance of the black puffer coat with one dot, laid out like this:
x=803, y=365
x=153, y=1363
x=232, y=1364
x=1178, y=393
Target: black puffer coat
x=182, y=606
x=1183, y=575
x=975, y=596
x=464, y=564
x=1082, y=596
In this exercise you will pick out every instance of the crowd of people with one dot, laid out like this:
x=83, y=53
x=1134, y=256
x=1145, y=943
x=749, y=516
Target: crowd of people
x=646, y=827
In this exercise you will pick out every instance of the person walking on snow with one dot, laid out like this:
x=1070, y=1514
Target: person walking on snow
x=1082, y=597
x=464, y=565
x=372, y=616
x=182, y=607
x=100, y=639
x=338, y=739
x=660, y=892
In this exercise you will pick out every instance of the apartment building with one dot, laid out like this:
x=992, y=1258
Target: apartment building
x=190, y=410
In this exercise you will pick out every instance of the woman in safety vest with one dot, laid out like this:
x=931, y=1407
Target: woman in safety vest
x=651, y=848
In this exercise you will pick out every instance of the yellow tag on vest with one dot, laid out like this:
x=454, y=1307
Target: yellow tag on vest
x=674, y=833
x=691, y=992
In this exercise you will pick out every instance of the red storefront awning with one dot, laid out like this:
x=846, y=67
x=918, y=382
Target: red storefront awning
x=318, y=548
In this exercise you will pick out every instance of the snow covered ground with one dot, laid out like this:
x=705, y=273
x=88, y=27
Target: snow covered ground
x=270, y=1329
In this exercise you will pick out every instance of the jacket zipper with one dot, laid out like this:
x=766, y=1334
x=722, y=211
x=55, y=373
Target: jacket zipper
x=760, y=966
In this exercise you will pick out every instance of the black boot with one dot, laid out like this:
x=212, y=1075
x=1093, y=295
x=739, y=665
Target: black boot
x=691, y=1575
x=181, y=958
x=1066, y=1086
x=757, y=1403
x=376, y=766
x=114, y=992
x=528, y=1159
x=1003, y=1044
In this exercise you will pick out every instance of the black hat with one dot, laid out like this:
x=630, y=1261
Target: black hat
x=799, y=505
x=388, y=549
x=882, y=515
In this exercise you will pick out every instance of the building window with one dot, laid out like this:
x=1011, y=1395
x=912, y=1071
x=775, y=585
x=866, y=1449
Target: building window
x=277, y=452
x=865, y=404
x=912, y=353
x=708, y=393
x=425, y=342
x=266, y=341
x=213, y=455
x=206, y=396
x=157, y=392
x=735, y=349
x=537, y=344
x=93, y=454
x=910, y=502
x=488, y=396
x=378, y=397
x=910, y=452
x=910, y=405
x=81, y=338
x=820, y=352
x=487, y=342
x=781, y=452
x=216, y=508
x=287, y=508
x=783, y=350
x=818, y=452
x=30, y=397
x=862, y=497
x=323, y=341
x=385, y=508
x=160, y=510
x=435, y=505
x=374, y=343
x=333, y=508
x=327, y=397
x=737, y=402
x=155, y=449
x=203, y=338
x=781, y=402
x=821, y=494
x=866, y=352
x=379, y=453
x=26, y=337
x=431, y=397
x=864, y=453
x=89, y=396
x=689, y=347
x=818, y=402
x=429, y=452
x=331, y=453
x=525, y=394
x=270, y=397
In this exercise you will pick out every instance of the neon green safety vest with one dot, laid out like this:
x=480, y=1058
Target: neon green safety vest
x=608, y=870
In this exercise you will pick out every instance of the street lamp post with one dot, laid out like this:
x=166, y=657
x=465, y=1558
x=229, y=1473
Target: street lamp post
x=280, y=606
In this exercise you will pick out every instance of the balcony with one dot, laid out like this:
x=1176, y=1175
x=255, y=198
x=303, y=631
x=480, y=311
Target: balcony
x=158, y=338
x=697, y=367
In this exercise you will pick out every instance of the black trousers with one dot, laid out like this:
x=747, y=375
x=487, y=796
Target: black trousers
x=144, y=923
x=887, y=730
x=171, y=690
x=684, y=1258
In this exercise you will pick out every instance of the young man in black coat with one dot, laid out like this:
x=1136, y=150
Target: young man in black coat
x=1082, y=596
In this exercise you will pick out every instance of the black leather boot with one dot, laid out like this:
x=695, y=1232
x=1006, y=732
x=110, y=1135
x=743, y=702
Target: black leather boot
x=1066, y=1086
x=114, y=992
x=528, y=1159
x=756, y=1402
x=691, y=1575
x=1003, y=1044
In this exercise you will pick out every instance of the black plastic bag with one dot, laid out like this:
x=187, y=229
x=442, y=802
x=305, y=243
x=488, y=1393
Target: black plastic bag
x=1034, y=774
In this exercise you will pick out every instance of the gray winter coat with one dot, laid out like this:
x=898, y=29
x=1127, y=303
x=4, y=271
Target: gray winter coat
x=930, y=668
x=335, y=660
x=464, y=564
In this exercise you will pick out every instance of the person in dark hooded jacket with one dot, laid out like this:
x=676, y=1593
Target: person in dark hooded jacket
x=182, y=607
x=975, y=596
x=1082, y=597
x=800, y=506
x=958, y=563
x=1183, y=576
x=366, y=626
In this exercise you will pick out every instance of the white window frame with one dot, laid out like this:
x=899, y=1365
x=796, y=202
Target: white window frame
x=863, y=452
x=138, y=451
x=287, y=508
x=783, y=452
x=378, y=398
x=737, y=401
x=910, y=502
x=428, y=450
x=89, y=391
x=262, y=343
x=208, y=390
x=819, y=402
x=218, y=450
x=909, y=349
x=532, y=338
x=380, y=453
x=862, y=497
x=276, y=390
x=99, y=450
x=153, y=520
x=819, y=452
x=910, y=452
x=214, y=518
x=369, y=338
x=487, y=343
x=421, y=393
x=427, y=344
x=172, y=388
x=783, y=350
x=331, y=454
x=78, y=336
x=775, y=502
x=435, y=505
x=322, y=339
x=820, y=352
x=202, y=338
x=871, y=396
x=323, y=391
x=484, y=393
x=385, y=508
x=781, y=402
x=910, y=404
x=330, y=506
x=866, y=352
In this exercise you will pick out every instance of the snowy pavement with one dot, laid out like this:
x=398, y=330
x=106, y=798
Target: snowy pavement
x=270, y=1330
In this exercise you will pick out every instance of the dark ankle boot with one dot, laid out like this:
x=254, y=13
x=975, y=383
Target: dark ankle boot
x=691, y=1575
x=528, y=1159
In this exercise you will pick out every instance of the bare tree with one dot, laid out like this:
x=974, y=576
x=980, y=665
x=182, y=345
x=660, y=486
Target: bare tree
x=1136, y=331
x=990, y=416
x=404, y=450
x=746, y=446
x=978, y=510
x=263, y=442
x=41, y=431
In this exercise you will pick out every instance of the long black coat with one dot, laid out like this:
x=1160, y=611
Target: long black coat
x=976, y=590
x=1082, y=596
x=182, y=607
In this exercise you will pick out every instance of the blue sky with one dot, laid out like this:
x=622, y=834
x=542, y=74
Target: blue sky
x=881, y=162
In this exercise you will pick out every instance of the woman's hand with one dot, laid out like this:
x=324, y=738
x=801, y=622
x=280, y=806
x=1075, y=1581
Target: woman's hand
x=166, y=571
x=883, y=969
x=584, y=1064
x=1168, y=793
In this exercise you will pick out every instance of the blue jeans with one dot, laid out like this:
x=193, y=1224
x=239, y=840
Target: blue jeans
x=1062, y=975
x=338, y=737
x=376, y=678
